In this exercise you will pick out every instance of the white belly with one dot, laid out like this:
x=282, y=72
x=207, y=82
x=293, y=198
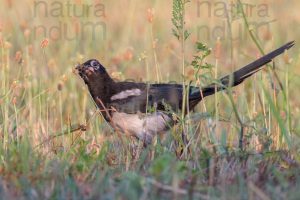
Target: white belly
x=143, y=126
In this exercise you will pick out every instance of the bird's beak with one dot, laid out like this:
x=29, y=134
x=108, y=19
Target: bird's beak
x=78, y=67
x=83, y=70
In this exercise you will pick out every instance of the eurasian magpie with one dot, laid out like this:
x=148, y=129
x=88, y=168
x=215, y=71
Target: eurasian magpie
x=143, y=110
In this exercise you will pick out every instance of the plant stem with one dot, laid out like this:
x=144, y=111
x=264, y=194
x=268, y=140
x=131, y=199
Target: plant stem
x=183, y=60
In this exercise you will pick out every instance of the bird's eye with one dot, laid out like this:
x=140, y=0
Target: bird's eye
x=94, y=64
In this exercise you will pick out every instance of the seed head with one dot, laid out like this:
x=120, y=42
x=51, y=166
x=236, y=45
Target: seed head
x=18, y=57
x=44, y=43
x=14, y=100
x=27, y=33
x=60, y=86
x=150, y=14
x=218, y=48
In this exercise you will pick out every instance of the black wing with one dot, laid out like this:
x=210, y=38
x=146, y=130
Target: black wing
x=161, y=97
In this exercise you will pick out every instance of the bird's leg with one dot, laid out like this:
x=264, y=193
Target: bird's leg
x=186, y=143
x=181, y=144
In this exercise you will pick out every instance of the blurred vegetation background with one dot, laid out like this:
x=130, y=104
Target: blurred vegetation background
x=43, y=101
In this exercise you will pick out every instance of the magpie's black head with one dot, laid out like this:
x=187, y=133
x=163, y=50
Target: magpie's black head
x=91, y=69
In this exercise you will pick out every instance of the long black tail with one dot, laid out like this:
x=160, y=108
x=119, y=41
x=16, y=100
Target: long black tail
x=240, y=75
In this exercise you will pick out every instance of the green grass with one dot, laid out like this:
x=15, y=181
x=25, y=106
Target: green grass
x=244, y=143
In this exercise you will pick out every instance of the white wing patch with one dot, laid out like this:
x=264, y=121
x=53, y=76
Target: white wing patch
x=126, y=93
